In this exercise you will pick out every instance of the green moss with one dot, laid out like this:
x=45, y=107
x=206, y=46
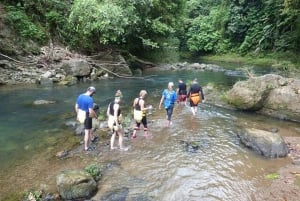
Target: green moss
x=274, y=175
x=14, y=197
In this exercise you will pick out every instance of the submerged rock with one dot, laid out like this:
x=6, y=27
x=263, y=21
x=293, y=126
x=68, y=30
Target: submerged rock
x=266, y=143
x=116, y=195
x=43, y=102
x=75, y=184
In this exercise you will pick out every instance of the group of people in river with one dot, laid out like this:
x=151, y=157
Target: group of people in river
x=85, y=110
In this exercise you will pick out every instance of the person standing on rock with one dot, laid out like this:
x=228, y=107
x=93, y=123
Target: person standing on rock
x=195, y=95
x=114, y=121
x=169, y=98
x=85, y=114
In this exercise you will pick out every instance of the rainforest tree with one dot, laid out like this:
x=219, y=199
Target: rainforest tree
x=195, y=26
x=131, y=23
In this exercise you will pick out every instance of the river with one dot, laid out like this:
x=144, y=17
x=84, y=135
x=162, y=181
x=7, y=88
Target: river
x=161, y=167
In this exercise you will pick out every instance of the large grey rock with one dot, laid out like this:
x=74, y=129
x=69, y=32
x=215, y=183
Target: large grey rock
x=76, y=67
x=284, y=102
x=270, y=94
x=266, y=143
x=75, y=184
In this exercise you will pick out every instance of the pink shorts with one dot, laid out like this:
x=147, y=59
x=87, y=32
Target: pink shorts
x=181, y=98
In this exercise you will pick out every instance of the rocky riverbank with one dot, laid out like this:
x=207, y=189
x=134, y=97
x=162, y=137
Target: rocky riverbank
x=272, y=93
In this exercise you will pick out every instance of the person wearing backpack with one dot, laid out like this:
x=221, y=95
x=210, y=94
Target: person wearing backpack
x=168, y=98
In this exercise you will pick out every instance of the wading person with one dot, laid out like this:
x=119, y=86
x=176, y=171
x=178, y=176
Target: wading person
x=181, y=91
x=140, y=113
x=85, y=114
x=195, y=95
x=168, y=98
x=114, y=120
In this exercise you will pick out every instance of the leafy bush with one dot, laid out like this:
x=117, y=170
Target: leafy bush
x=94, y=170
x=17, y=18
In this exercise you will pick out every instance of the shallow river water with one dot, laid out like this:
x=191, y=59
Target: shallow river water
x=160, y=167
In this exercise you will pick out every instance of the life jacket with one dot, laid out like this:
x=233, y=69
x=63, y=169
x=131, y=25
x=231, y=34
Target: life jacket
x=195, y=98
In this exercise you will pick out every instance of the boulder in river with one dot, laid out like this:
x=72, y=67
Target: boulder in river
x=266, y=143
x=75, y=184
x=271, y=95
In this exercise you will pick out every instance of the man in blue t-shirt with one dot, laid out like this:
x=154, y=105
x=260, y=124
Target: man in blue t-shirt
x=85, y=103
x=169, y=98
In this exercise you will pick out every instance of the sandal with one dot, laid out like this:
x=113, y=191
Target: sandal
x=94, y=139
x=133, y=136
x=89, y=149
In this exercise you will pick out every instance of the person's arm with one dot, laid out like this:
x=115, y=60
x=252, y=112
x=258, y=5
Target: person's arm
x=161, y=101
x=142, y=105
x=134, y=102
x=107, y=111
x=189, y=92
x=76, y=107
x=202, y=94
x=92, y=113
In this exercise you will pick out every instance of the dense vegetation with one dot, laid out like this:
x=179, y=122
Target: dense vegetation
x=244, y=27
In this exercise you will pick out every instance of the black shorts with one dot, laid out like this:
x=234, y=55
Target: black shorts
x=88, y=123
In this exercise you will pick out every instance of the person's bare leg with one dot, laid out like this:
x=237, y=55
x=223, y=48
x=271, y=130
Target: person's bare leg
x=168, y=123
x=193, y=111
x=112, y=140
x=196, y=109
x=134, y=132
x=86, y=138
x=145, y=132
x=121, y=140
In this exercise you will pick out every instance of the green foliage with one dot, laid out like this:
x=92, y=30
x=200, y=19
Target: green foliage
x=17, y=18
x=133, y=24
x=147, y=26
x=105, y=21
x=94, y=170
x=201, y=35
x=167, y=52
